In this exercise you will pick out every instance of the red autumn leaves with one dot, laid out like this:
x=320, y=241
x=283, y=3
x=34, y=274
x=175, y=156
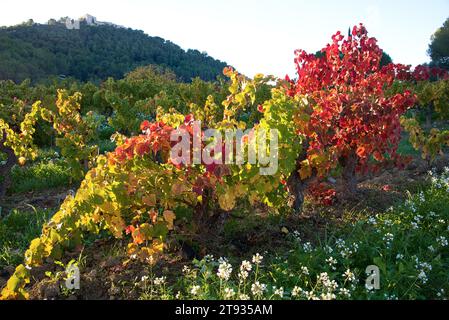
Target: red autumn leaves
x=156, y=139
x=351, y=111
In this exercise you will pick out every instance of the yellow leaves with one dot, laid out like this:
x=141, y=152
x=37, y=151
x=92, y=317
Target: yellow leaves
x=429, y=143
x=149, y=200
x=114, y=221
x=116, y=225
x=15, y=287
x=253, y=198
x=22, y=161
x=306, y=170
x=240, y=190
x=173, y=118
x=158, y=246
x=35, y=254
x=317, y=159
x=227, y=201
x=132, y=249
x=241, y=125
x=147, y=254
x=96, y=216
x=169, y=217
x=108, y=207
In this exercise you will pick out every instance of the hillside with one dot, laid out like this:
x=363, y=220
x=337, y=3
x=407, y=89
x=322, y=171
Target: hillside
x=93, y=52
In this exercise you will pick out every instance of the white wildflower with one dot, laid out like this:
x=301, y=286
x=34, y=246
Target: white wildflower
x=186, y=270
x=229, y=293
x=195, y=290
x=331, y=262
x=243, y=274
x=442, y=241
x=307, y=247
x=423, y=277
x=296, y=291
x=328, y=296
x=160, y=281
x=349, y=276
x=388, y=238
x=278, y=291
x=246, y=265
x=345, y=292
x=310, y=295
x=304, y=270
x=257, y=259
x=258, y=288
x=224, y=270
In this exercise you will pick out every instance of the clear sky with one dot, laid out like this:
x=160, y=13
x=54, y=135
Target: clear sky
x=256, y=35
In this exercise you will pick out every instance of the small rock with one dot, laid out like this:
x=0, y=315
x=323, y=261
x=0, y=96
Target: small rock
x=50, y=290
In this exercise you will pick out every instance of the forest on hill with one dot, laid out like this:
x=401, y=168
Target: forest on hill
x=93, y=53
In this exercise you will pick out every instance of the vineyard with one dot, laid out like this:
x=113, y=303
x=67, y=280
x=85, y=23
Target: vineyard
x=351, y=171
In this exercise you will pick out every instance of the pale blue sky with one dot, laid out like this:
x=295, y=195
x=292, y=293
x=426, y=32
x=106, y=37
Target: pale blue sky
x=256, y=35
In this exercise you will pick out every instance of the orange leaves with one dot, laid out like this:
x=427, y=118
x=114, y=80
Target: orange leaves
x=148, y=253
x=142, y=148
x=178, y=188
x=149, y=200
x=133, y=183
x=169, y=217
x=361, y=152
x=155, y=139
x=153, y=215
x=228, y=71
x=22, y=161
x=378, y=156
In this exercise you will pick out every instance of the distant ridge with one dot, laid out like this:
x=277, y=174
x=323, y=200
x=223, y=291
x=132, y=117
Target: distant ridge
x=87, y=49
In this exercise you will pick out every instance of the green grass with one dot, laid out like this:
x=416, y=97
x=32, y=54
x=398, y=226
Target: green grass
x=16, y=232
x=47, y=172
x=40, y=176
